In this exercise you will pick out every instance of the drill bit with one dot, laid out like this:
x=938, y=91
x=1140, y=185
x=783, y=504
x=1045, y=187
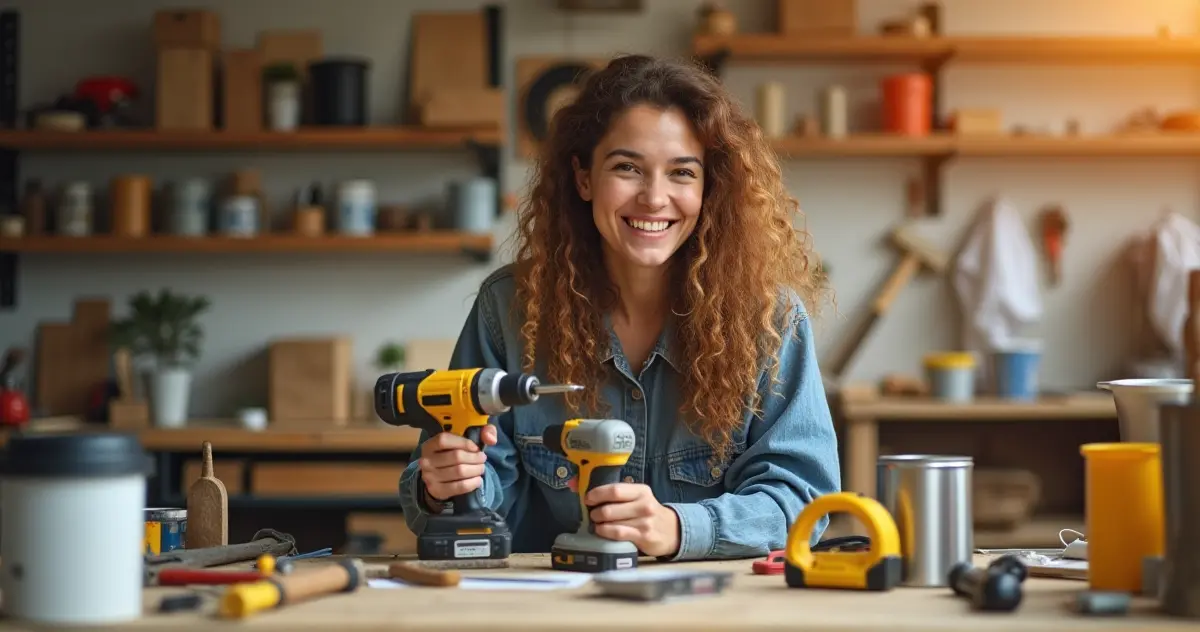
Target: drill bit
x=551, y=389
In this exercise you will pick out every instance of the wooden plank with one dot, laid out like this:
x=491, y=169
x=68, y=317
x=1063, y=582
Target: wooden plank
x=302, y=139
x=864, y=145
x=278, y=480
x=437, y=241
x=751, y=602
x=770, y=47
x=1164, y=144
x=896, y=409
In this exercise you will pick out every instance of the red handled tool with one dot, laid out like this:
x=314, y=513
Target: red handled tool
x=774, y=562
x=188, y=576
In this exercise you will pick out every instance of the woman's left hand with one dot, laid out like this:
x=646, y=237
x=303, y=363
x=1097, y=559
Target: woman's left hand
x=630, y=512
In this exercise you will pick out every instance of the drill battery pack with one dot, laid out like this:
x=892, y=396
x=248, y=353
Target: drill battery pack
x=472, y=536
x=562, y=559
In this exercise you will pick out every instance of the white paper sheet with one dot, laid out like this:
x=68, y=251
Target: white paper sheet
x=536, y=581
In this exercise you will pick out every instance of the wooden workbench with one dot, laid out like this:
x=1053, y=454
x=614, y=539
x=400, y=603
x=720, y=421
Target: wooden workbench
x=753, y=602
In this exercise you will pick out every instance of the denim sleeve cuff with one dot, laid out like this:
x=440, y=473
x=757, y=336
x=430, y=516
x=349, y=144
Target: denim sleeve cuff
x=697, y=532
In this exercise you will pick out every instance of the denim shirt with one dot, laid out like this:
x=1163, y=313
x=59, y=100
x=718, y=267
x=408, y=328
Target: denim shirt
x=742, y=507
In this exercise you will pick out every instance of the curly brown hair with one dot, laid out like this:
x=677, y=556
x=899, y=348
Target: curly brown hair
x=740, y=262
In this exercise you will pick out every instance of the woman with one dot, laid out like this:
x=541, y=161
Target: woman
x=658, y=267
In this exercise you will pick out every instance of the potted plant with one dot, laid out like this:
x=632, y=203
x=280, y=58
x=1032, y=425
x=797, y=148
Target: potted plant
x=162, y=331
x=283, y=96
x=390, y=357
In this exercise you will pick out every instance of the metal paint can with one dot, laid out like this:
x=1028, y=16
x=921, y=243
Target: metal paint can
x=166, y=530
x=930, y=498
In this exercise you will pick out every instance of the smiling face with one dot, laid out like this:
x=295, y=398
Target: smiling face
x=645, y=185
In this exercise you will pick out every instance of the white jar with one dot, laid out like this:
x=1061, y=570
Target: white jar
x=284, y=105
x=239, y=216
x=356, y=208
x=72, y=517
x=75, y=210
x=833, y=112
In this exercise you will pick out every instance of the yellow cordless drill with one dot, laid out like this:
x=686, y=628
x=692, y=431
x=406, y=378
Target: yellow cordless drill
x=599, y=448
x=459, y=401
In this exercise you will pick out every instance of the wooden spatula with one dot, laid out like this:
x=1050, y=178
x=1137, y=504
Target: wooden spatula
x=207, y=507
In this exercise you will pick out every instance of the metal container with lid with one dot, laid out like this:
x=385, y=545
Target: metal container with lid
x=929, y=496
x=71, y=520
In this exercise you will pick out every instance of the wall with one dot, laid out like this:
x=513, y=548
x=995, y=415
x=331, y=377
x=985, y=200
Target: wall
x=850, y=203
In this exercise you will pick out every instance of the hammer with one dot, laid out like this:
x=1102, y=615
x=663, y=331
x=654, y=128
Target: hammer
x=916, y=252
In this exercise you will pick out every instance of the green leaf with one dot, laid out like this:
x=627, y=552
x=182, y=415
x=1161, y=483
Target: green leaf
x=162, y=326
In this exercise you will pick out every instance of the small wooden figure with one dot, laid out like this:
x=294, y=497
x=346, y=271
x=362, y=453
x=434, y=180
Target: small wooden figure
x=208, y=507
x=1054, y=228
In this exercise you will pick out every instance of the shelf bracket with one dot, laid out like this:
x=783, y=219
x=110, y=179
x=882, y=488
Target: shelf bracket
x=932, y=169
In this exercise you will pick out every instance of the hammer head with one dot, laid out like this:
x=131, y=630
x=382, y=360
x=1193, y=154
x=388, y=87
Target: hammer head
x=914, y=246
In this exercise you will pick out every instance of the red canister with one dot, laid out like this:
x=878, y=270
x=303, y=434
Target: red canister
x=908, y=104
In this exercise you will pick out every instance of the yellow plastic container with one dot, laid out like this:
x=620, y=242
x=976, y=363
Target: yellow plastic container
x=1124, y=497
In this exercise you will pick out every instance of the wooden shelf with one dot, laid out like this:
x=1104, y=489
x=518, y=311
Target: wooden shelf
x=449, y=242
x=772, y=47
x=226, y=436
x=864, y=145
x=1082, y=406
x=373, y=138
x=945, y=145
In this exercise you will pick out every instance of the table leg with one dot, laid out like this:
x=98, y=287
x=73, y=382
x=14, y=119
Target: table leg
x=862, y=452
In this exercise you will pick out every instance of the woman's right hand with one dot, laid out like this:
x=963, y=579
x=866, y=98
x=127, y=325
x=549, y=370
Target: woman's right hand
x=452, y=465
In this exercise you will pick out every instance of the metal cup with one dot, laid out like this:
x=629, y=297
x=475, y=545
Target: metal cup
x=929, y=496
x=1179, y=432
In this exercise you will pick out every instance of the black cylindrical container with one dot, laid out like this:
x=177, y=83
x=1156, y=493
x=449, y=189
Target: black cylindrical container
x=339, y=91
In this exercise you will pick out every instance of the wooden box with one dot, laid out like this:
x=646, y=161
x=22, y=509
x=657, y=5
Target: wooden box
x=976, y=121
x=242, y=91
x=284, y=479
x=826, y=18
x=310, y=381
x=184, y=92
x=187, y=28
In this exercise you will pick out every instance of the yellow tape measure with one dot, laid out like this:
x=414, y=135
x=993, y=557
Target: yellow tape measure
x=879, y=568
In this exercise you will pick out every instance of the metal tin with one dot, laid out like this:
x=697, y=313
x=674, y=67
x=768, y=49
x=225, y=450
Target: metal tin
x=166, y=530
x=1179, y=580
x=930, y=498
x=239, y=216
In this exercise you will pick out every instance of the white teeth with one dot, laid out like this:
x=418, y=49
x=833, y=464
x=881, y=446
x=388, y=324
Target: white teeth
x=650, y=227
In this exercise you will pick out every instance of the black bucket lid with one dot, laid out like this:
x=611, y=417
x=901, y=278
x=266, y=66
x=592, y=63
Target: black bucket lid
x=75, y=454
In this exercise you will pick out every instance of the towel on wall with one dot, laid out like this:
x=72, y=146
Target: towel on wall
x=996, y=279
x=1176, y=241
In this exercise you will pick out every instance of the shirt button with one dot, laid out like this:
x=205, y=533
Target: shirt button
x=628, y=479
x=637, y=395
x=716, y=472
x=561, y=471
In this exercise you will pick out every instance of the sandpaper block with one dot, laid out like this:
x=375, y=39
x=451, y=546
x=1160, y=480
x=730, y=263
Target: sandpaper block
x=460, y=564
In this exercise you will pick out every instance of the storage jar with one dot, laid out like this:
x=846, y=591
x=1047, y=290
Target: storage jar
x=190, y=208
x=239, y=216
x=356, y=208
x=73, y=529
x=75, y=210
x=908, y=104
x=1016, y=370
x=951, y=376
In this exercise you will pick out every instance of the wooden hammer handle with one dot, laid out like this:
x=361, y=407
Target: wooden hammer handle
x=896, y=282
x=414, y=574
x=347, y=575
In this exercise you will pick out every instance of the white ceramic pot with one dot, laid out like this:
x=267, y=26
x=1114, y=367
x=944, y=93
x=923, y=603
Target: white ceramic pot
x=170, y=389
x=283, y=98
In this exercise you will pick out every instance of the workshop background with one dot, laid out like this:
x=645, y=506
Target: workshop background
x=285, y=319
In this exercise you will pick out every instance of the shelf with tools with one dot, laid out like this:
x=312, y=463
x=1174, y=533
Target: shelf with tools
x=930, y=53
x=475, y=245
x=398, y=138
x=946, y=145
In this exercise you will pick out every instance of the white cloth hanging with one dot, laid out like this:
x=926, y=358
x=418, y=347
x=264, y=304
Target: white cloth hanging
x=996, y=279
x=1176, y=241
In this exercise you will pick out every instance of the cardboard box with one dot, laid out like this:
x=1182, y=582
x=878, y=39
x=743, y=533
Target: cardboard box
x=242, y=91
x=187, y=28
x=184, y=94
x=310, y=381
x=826, y=18
x=968, y=121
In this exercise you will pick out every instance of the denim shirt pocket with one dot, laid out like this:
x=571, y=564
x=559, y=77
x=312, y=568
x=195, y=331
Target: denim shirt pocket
x=695, y=473
x=551, y=472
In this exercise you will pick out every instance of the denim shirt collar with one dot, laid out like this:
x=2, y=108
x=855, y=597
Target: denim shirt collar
x=666, y=347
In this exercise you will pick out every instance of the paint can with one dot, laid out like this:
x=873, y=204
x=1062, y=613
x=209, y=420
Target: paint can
x=1015, y=370
x=356, y=208
x=474, y=204
x=166, y=530
x=71, y=515
x=239, y=216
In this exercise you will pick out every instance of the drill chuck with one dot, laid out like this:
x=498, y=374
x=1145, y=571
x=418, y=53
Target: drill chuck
x=517, y=389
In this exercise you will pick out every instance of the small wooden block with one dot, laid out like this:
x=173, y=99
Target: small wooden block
x=128, y=414
x=184, y=90
x=823, y=17
x=462, y=107
x=977, y=121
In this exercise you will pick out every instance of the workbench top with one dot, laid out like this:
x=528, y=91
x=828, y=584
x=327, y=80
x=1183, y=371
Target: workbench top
x=752, y=602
